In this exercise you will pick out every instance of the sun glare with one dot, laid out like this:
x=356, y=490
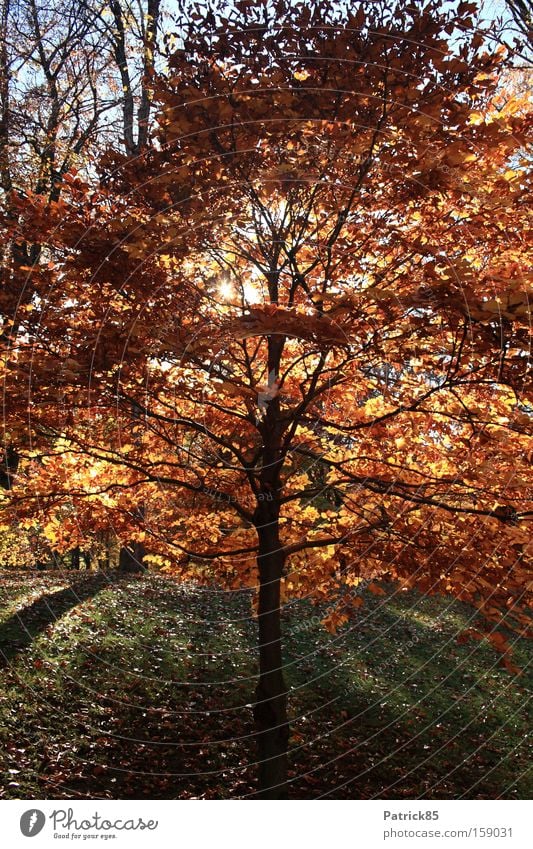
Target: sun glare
x=226, y=290
x=248, y=291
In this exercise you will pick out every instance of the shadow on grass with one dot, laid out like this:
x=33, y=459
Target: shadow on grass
x=18, y=632
x=389, y=708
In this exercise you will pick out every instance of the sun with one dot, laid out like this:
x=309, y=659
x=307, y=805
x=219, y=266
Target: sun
x=246, y=291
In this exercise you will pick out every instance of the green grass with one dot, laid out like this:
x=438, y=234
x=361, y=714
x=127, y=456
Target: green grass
x=139, y=688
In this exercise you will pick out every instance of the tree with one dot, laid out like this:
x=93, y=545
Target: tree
x=302, y=319
x=136, y=66
x=59, y=104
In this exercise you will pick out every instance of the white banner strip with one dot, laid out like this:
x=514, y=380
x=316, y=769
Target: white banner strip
x=266, y=825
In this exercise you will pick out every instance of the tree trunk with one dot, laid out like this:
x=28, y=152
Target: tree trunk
x=131, y=558
x=8, y=467
x=75, y=558
x=270, y=711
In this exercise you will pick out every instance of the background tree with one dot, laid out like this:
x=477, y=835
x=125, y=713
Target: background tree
x=73, y=79
x=303, y=319
x=49, y=114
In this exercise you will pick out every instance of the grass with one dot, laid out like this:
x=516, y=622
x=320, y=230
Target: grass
x=120, y=687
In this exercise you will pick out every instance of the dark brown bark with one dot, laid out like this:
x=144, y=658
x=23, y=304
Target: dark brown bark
x=131, y=558
x=131, y=555
x=75, y=558
x=8, y=467
x=270, y=711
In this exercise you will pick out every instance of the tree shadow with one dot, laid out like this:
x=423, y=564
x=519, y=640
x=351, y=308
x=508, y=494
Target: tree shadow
x=18, y=632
